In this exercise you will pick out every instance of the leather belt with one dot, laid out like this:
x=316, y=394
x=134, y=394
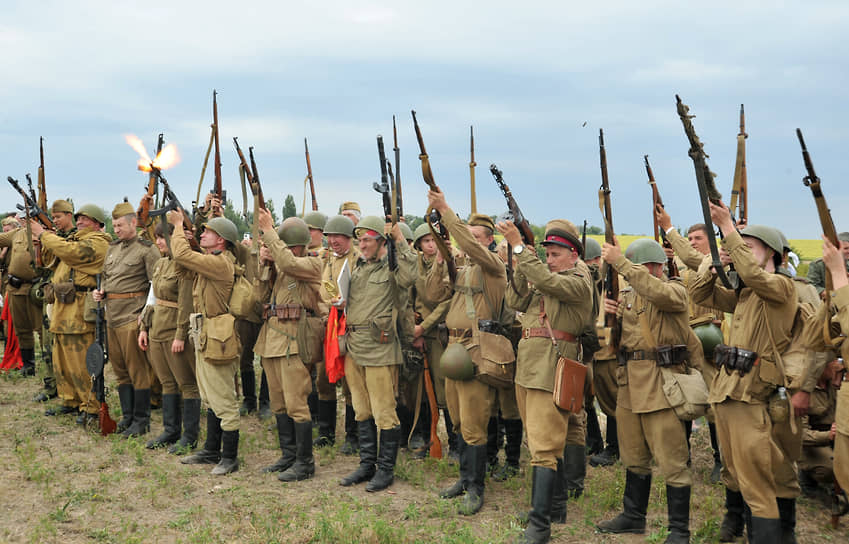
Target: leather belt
x=542, y=332
x=112, y=296
x=82, y=289
x=283, y=312
x=638, y=355
x=166, y=303
x=460, y=333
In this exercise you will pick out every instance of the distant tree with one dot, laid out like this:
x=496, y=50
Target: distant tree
x=289, y=208
x=269, y=205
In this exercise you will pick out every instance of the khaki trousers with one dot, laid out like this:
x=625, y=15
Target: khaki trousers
x=841, y=439
x=73, y=381
x=26, y=318
x=434, y=351
x=604, y=383
x=748, y=450
x=506, y=404
x=129, y=362
x=656, y=435
x=373, y=392
x=470, y=405
x=545, y=426
x=289, y=385
x=577, y=434
x=176, y=371
x=216, y=388
x=790, y=451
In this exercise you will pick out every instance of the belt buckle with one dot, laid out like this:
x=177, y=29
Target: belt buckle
x=526, y=333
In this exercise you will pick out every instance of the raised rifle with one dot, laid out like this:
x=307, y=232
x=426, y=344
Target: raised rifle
x=611, y=278
x=95, y=359
x=42, y=187
x=739, y=204
x=434, y=219
x=31, y=204
x=256, y=188
x=584, y=241
x=659, y=233
x=707, y=188
x=515, y=215
x=171, y=202
x=218, y=187
x=472, y=165
x=144, y=207
x=388, y=212
x=309, y=176
x=397, y=196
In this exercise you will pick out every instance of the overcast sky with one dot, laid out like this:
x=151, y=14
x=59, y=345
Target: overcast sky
x=536, y=79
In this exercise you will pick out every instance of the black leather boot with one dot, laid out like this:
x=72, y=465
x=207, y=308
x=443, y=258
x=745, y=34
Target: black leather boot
x=765, y=531
x=453, y=438
x=229, y=454
x=387, y=454
x=560, y=494
x=326, y=424
x=351, y=444
x=304, y=466
x=367, y=435
x=473, y=500
x=635, y=503
x=312, y=404
x=595, y=442
x=125, y=397
x=575, y=467
x=28, y=359
x=787, y=514
x=287, y=440
x=493, y=444
x=211, y=452
x=459, y=487
x=538, y=530
x=610, y=453
x=191, y=427
x=678, y=507
x=732, y=523
x=716, y=473
x=171, y=422
x=249, y=392
x=405, y=416
x=141, y=414
x=512, y=449
x=264, y=403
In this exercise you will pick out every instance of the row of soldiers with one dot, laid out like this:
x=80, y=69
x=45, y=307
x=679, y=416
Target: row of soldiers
x=473, y=323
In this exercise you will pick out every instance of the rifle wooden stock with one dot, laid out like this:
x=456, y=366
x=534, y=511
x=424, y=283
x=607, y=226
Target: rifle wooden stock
x=243, y=162
x=813, y=181
x=435, y=443
x=659, y=234
x=611, y=280
x=739, y=204
x=397, y=195
x=33, y=208
x=256, y=188
x=309, y=176
x=472, y=165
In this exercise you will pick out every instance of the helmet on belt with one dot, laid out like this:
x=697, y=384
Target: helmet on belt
x=224, y=228
x=369, y=224
x=339, y=224
x=771, y=237
x=406, y=231
x=315, y=220
x=92, y=212
x=645, y=250
x=593, y=249
x=294, y=232
x=456, y=363
x=710, y=336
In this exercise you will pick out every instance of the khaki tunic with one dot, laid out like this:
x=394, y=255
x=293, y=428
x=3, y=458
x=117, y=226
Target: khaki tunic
x=26, y=315
x=166, y=323
x=20, y=264
x=432, y=313
x=128, y=268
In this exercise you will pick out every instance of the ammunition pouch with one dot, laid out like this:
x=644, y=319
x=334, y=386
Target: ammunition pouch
x=283, y=312
x=16, y=282
x=739, y=359
x=671, y=355
x=49, y=293
x=64, y=292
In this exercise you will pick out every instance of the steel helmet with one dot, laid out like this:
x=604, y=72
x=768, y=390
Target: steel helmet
x=92, y=212
x=294, y=232
x=315, y=220
x=771, y=237
x=406, y=231
x=420, y=232
x=593, y=249
x=371, y=223
x=710, y=336
x=645, y=250
x=224, y=228
x=339, y=224
x=456, y=363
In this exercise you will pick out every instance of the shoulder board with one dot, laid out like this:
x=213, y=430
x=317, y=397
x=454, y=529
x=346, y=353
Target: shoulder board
x=142, y=241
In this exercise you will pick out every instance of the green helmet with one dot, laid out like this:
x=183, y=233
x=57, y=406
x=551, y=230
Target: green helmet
x=224, y=228
x=771, y=237
x=92, y=212
x=456, y=363
x=593, y=249
x=294, y=232
x=420, y=232
x=406, y=231
x=711, y=336
x=645, y=250
x=372, y=223
x=785, y=243
x=315, y=220
x=339, y=224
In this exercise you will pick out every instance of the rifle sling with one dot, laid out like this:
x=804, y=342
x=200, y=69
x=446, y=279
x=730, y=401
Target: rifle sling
x=714, y=251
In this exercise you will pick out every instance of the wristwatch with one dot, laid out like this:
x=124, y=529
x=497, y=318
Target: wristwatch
x=517, y=250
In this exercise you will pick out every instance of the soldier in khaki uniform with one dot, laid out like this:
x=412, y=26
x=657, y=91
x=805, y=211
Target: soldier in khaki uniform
x=339, y=231
x=217, y=345
x=376, y=295
x=816, y=465
x=816, y=270
x=352, y=211
x=477, y=294
x=294, y=291
x=764, y=312
x=78, y=259
x=127, y=273
x=556, y=301
x=9, y=223
x=653, y=314
x=164, y=335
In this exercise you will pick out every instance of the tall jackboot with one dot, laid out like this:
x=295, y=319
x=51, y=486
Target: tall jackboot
x=635, y=503
x=538, y=530
x=211, y=452
x=405, y=417
x=304, y=466
x=473, y=500
x=141, y=414
x=493, y=444
x=678, y=507
x=610, y=453
x=512, y=449
x=264, y=402
x=716, y=473
x=28, y=359
x=125, y=397
x=171, y=422
x=191, y=427
x=418, y=444
x=459, y=487
x=560, y=495
x=367, y=434
x=286, y=439
x=595, y=442
x=732, y=522
x=326, y=424
x=575, y=468
x=765, y=531
x=787, y=515
x=351, y=444
x=229, y=454
x=248, y=392
x=453, y=438
x=312, y=404
x=387, y=454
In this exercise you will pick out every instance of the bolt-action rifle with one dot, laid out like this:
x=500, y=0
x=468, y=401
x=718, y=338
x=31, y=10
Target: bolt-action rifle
x=472, y=164
x=659, y=233
x=42, y=187
x=611, y=278
x=739, y=204
x=309, y=176
x=515, y=215
x=388, y=211
x=144, y=207
x=95, y=358
x=397, y=196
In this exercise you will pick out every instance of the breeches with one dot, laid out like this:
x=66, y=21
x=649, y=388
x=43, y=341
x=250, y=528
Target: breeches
x=373, y=392
x=289, y=385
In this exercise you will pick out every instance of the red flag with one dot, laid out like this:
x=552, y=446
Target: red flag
x=12, y=354
x=334, y=362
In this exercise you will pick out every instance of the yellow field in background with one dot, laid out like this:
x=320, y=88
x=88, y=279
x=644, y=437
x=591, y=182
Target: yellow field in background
x=808, y=250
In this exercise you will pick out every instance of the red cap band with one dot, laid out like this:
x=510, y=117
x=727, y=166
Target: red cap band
x=372, y=233
x=553, y=238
